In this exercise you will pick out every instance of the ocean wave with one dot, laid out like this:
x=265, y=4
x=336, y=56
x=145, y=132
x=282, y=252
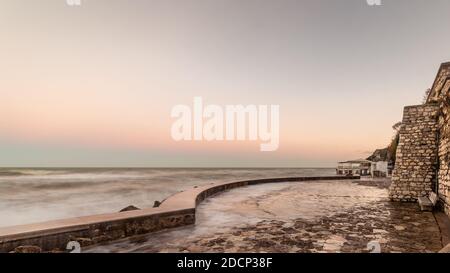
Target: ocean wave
x=35, y=195
x=27, y=172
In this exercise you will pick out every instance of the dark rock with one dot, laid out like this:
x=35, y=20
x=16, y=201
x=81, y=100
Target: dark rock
x=56, y=251
x=380, y=155
x=156, y=204
x=84, y=241
x=129, y=208
x=27, y=249
x=217, y=241
x=264, y=243
x=101, y=238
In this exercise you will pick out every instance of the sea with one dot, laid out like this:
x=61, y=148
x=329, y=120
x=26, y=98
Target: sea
x=31, y=195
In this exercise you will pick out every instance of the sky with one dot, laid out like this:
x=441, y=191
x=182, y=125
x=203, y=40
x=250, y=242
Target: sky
x=94, y=85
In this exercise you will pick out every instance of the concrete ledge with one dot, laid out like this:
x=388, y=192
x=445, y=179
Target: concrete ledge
x=177, y=210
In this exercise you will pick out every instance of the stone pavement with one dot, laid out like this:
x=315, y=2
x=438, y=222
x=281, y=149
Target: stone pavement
x=342, y=223
x=397, y=228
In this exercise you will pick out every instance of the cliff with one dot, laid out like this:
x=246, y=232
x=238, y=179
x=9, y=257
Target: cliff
x=386, y=154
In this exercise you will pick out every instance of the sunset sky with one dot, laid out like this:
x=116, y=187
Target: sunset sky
x=94, y=85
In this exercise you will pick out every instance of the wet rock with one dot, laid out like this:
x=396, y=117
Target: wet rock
x=101, y=238
x=289, y=230
x=96, y=232
x=56, y=251
x=129, y=208
x=229, y=245
x=217, y=241
x=288, y=225
x=194, y=249
x=27, y=249
x=381, y=231
x=138, y=239
x=288, y=242
x=170, y=250
x=397, y=227
x=218, y=249
x=264, y=243
x=84, y=241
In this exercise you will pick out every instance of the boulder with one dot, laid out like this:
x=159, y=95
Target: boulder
x=84, y=241
x=27, y=249
x=129, y=208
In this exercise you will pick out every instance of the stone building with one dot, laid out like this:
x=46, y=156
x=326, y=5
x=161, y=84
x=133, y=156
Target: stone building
x=423, y=154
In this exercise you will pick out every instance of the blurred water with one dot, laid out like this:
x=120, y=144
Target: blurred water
x=35, y=195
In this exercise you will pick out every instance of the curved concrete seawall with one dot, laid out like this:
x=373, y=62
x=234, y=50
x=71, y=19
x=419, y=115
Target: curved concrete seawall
x=177, y=210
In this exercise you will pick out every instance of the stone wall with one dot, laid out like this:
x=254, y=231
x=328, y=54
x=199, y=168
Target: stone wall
x=440, y=95
x=416, y=162
x=444, y=160
x=423, y=164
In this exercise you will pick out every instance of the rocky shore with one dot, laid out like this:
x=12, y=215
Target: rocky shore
x=395, y=228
